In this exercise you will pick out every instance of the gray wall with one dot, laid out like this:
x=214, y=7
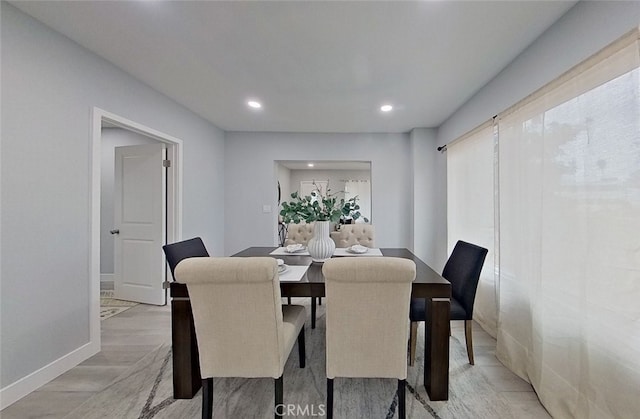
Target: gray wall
x=112, y=138
x=49, y=86
x=250, y=167
x=585, y=29
x=429, y=222
x=284, y=177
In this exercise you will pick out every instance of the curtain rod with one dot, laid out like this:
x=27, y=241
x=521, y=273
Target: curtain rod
x=443, y=148
x=625, y=41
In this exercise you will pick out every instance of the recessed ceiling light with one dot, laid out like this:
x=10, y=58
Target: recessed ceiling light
x=310, y=164
x=254, y=104
x=386, y=108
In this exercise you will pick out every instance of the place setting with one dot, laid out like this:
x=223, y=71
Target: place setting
x=291, y=250
x=357, y=250
x=290, y=272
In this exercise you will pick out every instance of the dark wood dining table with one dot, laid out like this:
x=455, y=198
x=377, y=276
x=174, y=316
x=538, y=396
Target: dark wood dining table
x=428, y=285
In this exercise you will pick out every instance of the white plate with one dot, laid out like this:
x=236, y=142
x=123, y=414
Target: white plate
x=283, y=269
x=357, y=249
x=296, y=250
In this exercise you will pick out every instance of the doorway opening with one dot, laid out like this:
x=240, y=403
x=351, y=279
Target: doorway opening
x=112, y=129
x=345, y=178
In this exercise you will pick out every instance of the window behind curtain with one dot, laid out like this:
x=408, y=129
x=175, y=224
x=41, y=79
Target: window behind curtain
x=559, y=190
x=569, y=176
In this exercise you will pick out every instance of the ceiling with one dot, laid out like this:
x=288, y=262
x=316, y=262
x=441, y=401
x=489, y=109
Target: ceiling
x=315, y=66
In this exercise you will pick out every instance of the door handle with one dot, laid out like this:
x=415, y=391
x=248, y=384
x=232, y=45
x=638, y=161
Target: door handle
x=114, y=231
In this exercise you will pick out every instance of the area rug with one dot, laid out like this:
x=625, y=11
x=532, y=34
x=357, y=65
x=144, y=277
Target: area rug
x=145, y=391
x=110, y=306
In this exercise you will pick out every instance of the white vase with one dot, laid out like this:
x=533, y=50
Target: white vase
x=321, y=246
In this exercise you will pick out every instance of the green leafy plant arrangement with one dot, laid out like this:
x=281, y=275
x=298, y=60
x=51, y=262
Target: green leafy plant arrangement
x=319, y=206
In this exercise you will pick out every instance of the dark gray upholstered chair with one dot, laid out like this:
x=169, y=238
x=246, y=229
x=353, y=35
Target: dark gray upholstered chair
x=463, y=271
x=176, y=252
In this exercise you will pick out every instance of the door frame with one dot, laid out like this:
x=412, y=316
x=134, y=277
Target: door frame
x=174, y=201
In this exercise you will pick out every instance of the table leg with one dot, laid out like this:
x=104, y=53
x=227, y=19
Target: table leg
x=186, y=364
x=436, y=348
x=313, y=312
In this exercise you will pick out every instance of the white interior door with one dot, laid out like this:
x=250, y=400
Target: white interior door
x=140, y=223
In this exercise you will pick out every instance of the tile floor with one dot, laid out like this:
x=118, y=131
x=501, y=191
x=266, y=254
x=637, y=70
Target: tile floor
x=129, y=336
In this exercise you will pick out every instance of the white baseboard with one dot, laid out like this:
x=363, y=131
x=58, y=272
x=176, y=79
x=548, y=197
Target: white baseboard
x=15, y=391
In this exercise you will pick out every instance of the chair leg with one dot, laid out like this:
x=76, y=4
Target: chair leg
x=329, y=406
x=401, y=399
x=289, y=300
x=278, y=408
x=207, y=398
x=469, y=339
x=319, y=301
x=413, y=338
x=301, y=348
x=313, y=312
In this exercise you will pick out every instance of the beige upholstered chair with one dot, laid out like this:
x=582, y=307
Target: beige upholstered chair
x=368, y=340
x=241, y=327
x=350, y=234
x=299, y=233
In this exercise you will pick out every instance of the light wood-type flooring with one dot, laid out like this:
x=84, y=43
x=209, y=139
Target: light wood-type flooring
x=132, y=340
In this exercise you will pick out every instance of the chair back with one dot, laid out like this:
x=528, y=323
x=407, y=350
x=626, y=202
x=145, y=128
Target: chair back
x=463, y=271
x=299, y=233
x=367, y=314
x=175, y=252
x=237, y=315
x=350, y=234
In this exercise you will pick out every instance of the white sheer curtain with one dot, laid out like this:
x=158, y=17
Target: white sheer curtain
x=564, y=208
x=569, y=176
x=470, y=192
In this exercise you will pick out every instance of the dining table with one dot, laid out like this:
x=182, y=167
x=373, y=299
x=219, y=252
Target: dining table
x=428, y=284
